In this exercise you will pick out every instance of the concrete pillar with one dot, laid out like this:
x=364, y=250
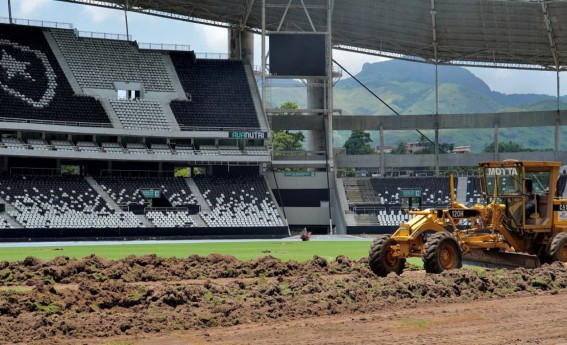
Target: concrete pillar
x=241, y=45
x=316, y=100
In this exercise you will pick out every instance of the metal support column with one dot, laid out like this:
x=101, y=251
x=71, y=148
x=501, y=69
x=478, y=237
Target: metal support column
x=264, y=55
x=436, y=149
x=382, y=154
x=10, y=11
x=126, y=20
x=557, y=146
x=496, y=142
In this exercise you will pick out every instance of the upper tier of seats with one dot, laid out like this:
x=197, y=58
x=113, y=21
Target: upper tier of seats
x=218, y=93
x=140, y=114
x=97, y=63
x=238, y=201
x=32, y=84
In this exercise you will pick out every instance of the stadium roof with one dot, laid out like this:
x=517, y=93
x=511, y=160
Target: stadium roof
x=528, y=34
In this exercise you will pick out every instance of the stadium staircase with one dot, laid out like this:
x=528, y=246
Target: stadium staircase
x=174, y=79
x=6, y=215
x=197, y=193
x=349, y=216
x=104, y=195
x=63, y=63
x=256, y=98
x=359, y=190
x=462, y=190
x=97, y=188
x=111, y=113
x=171, y=121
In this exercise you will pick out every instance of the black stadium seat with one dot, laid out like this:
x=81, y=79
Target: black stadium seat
x=219, y=92
x=32, y=84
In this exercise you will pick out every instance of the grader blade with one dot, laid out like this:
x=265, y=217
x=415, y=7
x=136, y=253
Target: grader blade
x=495, y=258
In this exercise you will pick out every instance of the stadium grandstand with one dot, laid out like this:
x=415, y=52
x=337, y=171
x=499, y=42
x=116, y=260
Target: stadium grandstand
x=95, y=131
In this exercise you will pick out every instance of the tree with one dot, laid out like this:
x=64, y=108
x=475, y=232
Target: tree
x=429, y=147
x=506, y=146
x=287, y=140
x=358, y=143
x=400, y=149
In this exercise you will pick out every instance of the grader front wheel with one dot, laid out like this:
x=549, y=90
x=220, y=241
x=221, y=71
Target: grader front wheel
x=382, y=259
x=442, y=252
x=557, y=249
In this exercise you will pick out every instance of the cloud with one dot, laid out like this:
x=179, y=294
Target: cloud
x=99, y=14
x=353, y=62
x=511, y=81
x=28, y=7
x=215, y=39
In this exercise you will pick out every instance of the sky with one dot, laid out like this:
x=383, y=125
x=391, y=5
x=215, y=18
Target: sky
x=208, y=39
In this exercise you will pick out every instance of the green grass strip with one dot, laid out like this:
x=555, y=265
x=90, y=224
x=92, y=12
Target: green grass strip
x=284, y=250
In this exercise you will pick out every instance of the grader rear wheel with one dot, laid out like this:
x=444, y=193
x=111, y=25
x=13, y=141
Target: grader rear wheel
x=381, y=258
x=442, y=252
x=557, y=249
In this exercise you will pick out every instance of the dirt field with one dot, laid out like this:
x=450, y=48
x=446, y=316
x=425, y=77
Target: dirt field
x=218, y=299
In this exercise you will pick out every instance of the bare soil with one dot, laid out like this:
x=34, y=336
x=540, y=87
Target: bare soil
x=219, y=299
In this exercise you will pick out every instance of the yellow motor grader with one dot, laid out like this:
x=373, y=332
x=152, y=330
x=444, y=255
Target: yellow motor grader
x=522, y=223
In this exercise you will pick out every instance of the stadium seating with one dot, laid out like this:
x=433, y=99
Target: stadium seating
x=561, y=183
x=60, y=202
x=184, y=150
x=161, y=149
x=140, y=114
x=38, y=144
x=237, y=201
x=14, y=143
x=112, y=147
x=256, y=151
x=136, y=148
x=435, y=190
x=169, y=219
x=218, y=92
x=125, y=190
x=4, y=223
x=63, y=145
x=97, y=63
x=88, y=146
x=35, y=87
x=474, y=195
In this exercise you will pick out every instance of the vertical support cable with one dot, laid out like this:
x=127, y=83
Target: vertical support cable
x=264, y=55
x=126, y=21
x=10, y=11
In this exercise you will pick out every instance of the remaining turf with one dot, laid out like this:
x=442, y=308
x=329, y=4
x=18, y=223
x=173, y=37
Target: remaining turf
x=284, y=250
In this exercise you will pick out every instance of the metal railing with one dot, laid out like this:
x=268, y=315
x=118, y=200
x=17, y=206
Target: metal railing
x=40, y=23
x=103, y=35
x=56, y=123
x=164, y=46
x=213, y=56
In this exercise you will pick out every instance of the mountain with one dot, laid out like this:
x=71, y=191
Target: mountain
x=409, y=88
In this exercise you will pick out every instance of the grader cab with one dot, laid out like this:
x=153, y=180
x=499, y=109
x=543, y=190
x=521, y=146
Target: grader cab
x=521, y=223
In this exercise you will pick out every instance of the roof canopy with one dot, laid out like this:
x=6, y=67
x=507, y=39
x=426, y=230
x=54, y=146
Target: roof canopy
x=499, y=33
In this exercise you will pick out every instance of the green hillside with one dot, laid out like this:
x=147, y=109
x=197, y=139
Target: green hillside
x=409, y=88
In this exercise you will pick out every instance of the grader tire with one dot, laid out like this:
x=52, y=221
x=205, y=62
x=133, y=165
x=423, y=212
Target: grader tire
x=442, y=252
x=381, y=259
x=557, y=249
